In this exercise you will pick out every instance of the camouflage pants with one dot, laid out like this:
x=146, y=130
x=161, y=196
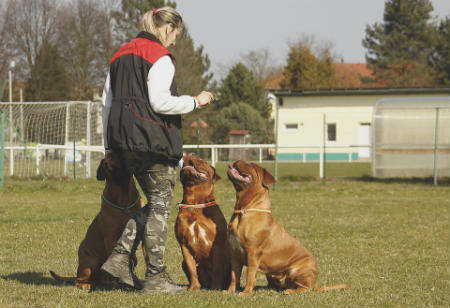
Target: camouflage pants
x=149, y=225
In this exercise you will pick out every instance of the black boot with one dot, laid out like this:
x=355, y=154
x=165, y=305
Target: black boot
x=161, y=283
x=121, y=267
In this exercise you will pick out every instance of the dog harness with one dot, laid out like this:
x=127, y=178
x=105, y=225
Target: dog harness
x=196, y=206
x=124, y=209
x=244, y=211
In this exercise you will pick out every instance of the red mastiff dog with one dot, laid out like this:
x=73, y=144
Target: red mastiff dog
x=201, y=228
x=258, y=241
x=120, y=200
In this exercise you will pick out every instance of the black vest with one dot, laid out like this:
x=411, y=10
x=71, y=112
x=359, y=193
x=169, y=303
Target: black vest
x=132, y=123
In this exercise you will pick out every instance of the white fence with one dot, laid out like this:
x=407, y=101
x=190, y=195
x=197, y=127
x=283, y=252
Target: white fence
x=65, y=139
x=85, y=165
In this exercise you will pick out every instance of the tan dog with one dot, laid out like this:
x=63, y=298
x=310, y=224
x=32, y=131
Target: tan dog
x=201, y=228
x=120, y=200
x=260, y=242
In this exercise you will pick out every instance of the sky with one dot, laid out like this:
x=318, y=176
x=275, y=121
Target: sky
x=231, y=28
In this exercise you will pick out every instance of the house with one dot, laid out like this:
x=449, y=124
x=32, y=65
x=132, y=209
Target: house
x=337, y=121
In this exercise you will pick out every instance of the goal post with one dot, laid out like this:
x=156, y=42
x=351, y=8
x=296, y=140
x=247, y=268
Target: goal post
x=55, y=139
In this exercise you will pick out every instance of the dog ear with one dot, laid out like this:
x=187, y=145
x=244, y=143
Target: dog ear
x=216, y=176
x=101, y=176
x=267, y=178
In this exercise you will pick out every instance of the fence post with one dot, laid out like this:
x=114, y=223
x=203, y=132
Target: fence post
x=66, y=138
x=213, y=156
x=37, y=158
x=74, y=148
x=436, y=148
x=88, y=140
x=2, y=149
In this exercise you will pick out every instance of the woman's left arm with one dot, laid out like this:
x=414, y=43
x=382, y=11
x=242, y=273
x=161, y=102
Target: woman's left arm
x=159, y=80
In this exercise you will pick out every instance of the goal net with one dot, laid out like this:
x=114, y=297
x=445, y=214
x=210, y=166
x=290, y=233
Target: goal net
x=52, y=139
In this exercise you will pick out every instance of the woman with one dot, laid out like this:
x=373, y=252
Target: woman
x=142, y=124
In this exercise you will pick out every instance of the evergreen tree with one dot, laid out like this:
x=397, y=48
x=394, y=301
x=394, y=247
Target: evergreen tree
x=304, y=70
x=48, y=80
x=241, y=115
x=128, y=18
x=240, y=85
x=441, y=57
x=398, y=50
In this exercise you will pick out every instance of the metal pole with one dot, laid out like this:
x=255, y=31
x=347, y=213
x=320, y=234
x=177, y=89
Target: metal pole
x=276, y=141
x=66, y=139
x=198, y=135
x=21, y=115
x=436, y=147
x=11, y=153
x=324, y=174
x=88, y=141
x=74, y=149
x=2, y=149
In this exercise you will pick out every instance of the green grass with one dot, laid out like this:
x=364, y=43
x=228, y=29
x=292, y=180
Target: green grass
x=389, y=240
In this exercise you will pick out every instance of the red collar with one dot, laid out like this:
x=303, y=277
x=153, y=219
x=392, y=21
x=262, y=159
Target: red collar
x=196, y=206
x=243, y=211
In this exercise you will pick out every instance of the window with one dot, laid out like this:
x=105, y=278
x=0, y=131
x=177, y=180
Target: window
x=291, y=126
x=331, y=132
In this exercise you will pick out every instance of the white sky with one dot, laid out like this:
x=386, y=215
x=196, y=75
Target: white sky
x=228, y=29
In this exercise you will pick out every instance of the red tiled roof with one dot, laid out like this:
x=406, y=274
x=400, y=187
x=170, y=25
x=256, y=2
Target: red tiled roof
x=238, y=132
x=194, y=124
x=348, y=74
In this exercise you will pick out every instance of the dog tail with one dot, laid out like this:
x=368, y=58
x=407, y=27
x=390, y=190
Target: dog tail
x=63, y=279
x=335, y=287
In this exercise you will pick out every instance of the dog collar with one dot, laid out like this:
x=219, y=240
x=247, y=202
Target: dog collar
x=244, y=211
x=196, y=206
x=119, y=207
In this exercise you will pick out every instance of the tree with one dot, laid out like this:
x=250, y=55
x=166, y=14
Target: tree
x=305, y=70
x=30, y=23
x=260, y=63
x=441, y=59
x=128, y=18
x=240, y=85
x=48, y=80
x=398, y=50
x=82, y=22
x=241, y=116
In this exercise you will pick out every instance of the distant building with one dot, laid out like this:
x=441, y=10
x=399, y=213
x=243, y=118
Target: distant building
x=239, y=137
x=342, y=116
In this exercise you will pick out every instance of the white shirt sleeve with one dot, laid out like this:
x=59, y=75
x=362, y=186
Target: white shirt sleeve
x=106, y=102
x=159, y=81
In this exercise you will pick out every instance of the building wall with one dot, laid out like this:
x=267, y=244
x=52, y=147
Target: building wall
x=352, y=115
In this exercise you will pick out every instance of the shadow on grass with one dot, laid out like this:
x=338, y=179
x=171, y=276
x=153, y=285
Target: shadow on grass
x=445, y=181
x=424, y=181
x=32, y=278
x=39, y=278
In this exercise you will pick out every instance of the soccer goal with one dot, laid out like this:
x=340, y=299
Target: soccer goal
x=51, y=139
x=411, y=137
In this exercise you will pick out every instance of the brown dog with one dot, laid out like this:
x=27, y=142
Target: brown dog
x=260, y=242
x=120, y=200
x=201, y=228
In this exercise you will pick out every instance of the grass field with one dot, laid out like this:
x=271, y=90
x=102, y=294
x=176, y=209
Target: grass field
x=388, y=239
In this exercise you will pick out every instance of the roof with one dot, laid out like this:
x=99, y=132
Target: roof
x=349, y=75
x=194, y=124
x=238, y=132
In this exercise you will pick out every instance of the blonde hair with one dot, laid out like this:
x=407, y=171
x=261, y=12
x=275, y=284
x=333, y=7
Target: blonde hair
x=156, y=18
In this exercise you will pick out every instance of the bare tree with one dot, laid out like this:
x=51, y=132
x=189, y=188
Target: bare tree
x=83, y=31
x=28, y=24
x=259, y=62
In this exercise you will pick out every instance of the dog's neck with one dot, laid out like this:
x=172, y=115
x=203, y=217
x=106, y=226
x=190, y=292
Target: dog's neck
x=120, y=194
x=250, y=198
x=196, y=195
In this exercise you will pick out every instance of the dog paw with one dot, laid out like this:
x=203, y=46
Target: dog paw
x=245, y=293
